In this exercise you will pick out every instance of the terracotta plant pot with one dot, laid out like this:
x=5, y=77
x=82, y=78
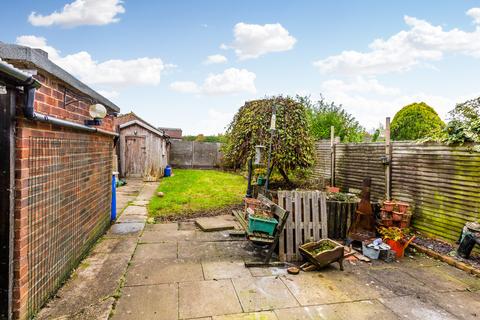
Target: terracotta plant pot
x=385, y=215
x=388, y=205
x=333, y=189
x=397, y=216
x=387, y=222
x=404, y=224
x=403, y=207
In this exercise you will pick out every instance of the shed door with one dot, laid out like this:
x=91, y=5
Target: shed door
x=134, y=156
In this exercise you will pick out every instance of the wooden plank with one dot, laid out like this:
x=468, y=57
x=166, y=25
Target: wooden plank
x=316, y=215
x=289, y=227
x=323, y=214
x=281, y=245
x=298, y=222
x=307, y=222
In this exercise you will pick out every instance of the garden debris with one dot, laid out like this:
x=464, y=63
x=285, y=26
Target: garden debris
x=293, y=270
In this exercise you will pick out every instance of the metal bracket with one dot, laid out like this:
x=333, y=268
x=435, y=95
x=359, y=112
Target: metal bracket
x=76, y=98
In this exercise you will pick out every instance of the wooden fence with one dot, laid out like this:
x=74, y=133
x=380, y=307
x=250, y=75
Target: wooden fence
x=442, y=183
x=311, y=217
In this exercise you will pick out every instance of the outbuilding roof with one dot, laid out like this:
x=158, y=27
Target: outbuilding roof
x=39, y=58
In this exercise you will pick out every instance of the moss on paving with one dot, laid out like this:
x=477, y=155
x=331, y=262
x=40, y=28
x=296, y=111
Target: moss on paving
x=190, y=191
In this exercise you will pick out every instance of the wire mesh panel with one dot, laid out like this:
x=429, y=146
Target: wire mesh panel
x=68, y=208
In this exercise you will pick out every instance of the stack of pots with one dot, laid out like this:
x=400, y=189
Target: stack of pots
x=395, y=214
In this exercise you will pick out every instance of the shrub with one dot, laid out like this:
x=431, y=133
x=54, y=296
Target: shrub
x=415, y=121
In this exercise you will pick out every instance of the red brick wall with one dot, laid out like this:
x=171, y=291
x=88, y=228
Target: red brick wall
x=62, y=196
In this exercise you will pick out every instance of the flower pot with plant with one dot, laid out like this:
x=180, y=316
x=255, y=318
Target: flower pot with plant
x=396, y=238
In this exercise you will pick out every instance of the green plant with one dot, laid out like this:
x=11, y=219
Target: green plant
x=393, y=233
x=463, y=126
x=292, y=145
x=415, y=121
x=322, y=115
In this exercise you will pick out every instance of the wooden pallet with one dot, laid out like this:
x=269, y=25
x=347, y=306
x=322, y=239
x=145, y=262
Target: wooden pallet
x=307, y=221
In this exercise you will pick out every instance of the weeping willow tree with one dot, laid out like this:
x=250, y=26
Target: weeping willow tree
x=292, y=145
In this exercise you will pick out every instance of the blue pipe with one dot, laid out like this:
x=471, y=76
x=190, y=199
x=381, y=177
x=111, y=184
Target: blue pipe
x=113, y=213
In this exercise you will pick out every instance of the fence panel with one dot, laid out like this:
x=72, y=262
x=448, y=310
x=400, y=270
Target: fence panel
x=357, y=161
x=441, y=182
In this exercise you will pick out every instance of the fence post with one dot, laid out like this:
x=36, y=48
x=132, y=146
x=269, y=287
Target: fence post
x=388, y=162
x=193, y=153
x=332, y=156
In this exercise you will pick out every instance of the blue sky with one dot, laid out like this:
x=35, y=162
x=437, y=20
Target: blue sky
x=151, y=57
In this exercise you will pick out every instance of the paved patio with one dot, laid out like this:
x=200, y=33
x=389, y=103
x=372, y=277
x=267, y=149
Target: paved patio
x=180, y=272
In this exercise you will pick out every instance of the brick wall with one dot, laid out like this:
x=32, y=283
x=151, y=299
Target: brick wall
x=62, y=196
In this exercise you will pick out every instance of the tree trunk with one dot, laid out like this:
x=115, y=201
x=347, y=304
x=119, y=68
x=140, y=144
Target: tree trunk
x=284, y=176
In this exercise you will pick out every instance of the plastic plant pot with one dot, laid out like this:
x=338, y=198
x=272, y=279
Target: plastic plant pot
x=397, y=247
x=261, y=224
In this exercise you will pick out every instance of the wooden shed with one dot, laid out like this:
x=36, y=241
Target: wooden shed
x=143, y=150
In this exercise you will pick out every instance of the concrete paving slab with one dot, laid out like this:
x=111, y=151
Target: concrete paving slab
x=399, y=282
x=216, y=223
x=464, y=305
x=141, y=203
x=216, y=236
x=265, y=315
x=207, y=298
x=313, y=288
x=147, y=191
x=472, y=281
x=115, y=245
x=359, y=310
x=130, y=229
x=265, y=272
x=411, y=307
x=187, y=225
x=135, y=210
x=357, y=285
x=165, y=236
x=162, y=227
x=263, y=293
x=224, y=270
x=129, y=218
x=95, y=280
x=162, y=303
x=155, y=251
x=154, y=271
x=437, y=279
x=213, y=251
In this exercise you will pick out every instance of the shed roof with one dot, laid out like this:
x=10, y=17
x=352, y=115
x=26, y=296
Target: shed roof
x=143, y=125
x=39, y=58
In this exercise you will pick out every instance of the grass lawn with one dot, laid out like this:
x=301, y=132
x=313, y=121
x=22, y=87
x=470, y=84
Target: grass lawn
x=190, y=191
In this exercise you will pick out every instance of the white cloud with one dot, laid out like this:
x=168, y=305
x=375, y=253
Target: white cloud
x=185, y=87
x=115, y=72
x=215, y=59
x=254, y=40
x=371, y=102
x=420, y=43
x=475, y=14
x=230, y=81
x=81, y=12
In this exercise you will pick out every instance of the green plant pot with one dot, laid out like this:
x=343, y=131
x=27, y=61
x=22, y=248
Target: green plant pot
x=257, y=224
x=261, y=181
